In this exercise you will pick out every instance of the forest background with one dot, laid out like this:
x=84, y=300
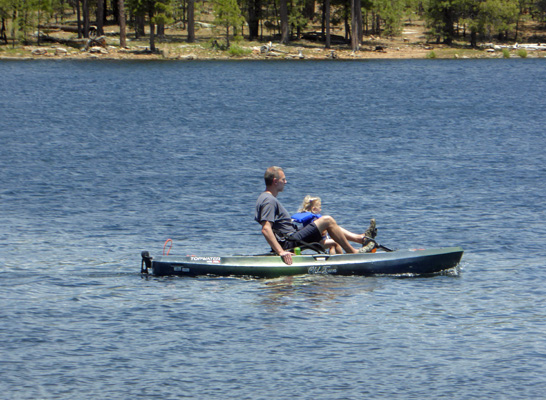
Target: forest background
x=240, y=27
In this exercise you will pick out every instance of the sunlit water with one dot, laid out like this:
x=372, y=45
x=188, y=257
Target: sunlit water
x=100, y=160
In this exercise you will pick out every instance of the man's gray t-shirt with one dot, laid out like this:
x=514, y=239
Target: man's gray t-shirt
x=268, y=208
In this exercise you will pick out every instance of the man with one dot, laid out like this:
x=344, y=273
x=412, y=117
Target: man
x=272, y=216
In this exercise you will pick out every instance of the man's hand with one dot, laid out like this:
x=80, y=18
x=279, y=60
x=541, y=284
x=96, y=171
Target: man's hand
x=286, y=257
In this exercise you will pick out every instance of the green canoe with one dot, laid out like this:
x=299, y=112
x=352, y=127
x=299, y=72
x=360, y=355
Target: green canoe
x=399, y=262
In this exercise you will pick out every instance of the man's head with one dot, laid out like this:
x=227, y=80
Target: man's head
x=274, y=178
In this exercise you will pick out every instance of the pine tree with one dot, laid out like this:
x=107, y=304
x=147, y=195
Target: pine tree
x=228, y=15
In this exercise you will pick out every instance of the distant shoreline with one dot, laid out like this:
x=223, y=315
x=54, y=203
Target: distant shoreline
x=384, y=50
x=413, y=42
x=340, y=56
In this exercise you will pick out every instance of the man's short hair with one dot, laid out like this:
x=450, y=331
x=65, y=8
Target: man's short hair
x=270, y=174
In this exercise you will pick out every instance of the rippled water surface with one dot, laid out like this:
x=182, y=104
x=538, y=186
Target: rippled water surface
x=100, y=160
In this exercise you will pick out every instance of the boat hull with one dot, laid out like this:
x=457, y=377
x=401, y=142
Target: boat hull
x=400, y=262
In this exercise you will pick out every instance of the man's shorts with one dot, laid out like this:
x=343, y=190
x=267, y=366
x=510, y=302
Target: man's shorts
x=308, y=234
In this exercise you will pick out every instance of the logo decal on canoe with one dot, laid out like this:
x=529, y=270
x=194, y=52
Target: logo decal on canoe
x=209, y=260
x=322, y=269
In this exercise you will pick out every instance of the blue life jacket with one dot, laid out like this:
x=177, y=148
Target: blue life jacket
x=305, y=218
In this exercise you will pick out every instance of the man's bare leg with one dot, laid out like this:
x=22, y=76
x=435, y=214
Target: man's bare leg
x=336, y=232
x=352, y=237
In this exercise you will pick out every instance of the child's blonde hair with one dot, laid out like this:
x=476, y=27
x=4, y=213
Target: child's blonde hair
x=309, y=202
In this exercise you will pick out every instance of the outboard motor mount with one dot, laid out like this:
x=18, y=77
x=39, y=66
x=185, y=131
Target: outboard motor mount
x=146, y=263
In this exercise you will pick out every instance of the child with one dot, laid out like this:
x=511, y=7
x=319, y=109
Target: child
x=308, y=212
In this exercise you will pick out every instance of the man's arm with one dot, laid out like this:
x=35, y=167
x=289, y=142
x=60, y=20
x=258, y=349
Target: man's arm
x=267, y=231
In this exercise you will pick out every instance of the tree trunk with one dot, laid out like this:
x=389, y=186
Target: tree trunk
x=79, y=16
x=85, y=12
x=122, y=25
x=191, y=21
x=100, y=18
x=448, y=25
x=254, y=12
x=346, y=21
x=3, y=35
x=358, y=31
x=323, y=20
x=327, y=22
x=152, y=32
x=354, y=28
x=284, y=21
x=115, y=12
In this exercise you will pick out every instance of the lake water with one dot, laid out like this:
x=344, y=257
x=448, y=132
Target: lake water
x=101, y=160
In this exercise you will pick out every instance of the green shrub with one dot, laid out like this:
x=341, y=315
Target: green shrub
x=522, y=53
x=505, y=53
x=431, y=55
x=235, y=50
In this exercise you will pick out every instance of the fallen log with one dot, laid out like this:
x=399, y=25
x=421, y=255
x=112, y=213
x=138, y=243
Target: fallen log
x=270, y=50
x=76, y=43
x=68, y=28
x=85, y=44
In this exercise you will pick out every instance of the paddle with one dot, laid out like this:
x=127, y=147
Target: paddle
x=379, y=246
